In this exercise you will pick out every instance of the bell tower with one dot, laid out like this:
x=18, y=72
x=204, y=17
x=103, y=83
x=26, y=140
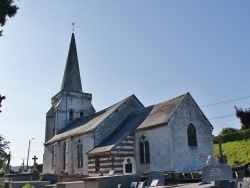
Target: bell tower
x=70, y=103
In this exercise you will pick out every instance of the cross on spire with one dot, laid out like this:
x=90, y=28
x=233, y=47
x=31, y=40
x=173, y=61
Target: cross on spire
x=34, y=158
x=73, y=27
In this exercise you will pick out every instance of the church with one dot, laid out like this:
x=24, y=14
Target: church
x=173, y=135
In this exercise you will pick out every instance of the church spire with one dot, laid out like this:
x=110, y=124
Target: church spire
x=72, y=78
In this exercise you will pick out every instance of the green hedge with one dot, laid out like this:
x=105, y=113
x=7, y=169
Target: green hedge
x=241, y=135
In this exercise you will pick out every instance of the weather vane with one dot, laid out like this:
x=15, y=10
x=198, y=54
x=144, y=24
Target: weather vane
x=73, y=27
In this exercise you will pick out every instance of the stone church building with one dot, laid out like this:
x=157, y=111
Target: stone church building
x=173, y=135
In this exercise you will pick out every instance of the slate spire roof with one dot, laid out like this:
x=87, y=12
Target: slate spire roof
x=72, y=78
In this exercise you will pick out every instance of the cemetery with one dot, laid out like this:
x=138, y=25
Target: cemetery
x=213, y=174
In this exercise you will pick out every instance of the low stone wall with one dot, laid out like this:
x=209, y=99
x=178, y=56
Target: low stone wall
x=76, y=184
x=70, y=178
x=110, y=181
x=22, y=177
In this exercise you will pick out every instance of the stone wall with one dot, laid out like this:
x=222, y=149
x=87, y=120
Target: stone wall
x=160, y=156
x=113, y=160
x=71, y=166
x=65, y=101
x=108, y=126
x=186, y=158
x=169, y=150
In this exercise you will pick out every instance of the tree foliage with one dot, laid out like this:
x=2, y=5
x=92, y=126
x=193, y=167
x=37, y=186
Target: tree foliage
x=7, y=9
x=1, y=98
x=228, y=130
x=3, y=155
x=244, y=116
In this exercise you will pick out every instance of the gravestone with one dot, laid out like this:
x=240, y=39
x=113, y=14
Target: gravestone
x=220, y=173
x=245, y=183
x=111, y=172
x=129, y=166
x=133, y=185
x=156, y=175
x=216, y=173
x=49, y=177
x=154, y=183
x=240, y=174
x=188, y=175
x=140, y=185
x=247, y=170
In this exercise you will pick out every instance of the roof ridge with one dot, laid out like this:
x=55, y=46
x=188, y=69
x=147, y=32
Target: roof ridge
x=171, y=99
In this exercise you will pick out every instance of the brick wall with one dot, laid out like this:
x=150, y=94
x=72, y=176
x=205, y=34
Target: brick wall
x=113, y=160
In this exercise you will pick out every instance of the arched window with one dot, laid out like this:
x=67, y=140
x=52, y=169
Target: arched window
x=144, y=150
x=79, y=154
x=191, y=133
x=71, y=115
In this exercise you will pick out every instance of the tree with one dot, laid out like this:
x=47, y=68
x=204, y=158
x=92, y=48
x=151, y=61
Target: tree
x=244, y=116
x=228, y=130
x=6, y=9
x=1, y=98
x=3, y=155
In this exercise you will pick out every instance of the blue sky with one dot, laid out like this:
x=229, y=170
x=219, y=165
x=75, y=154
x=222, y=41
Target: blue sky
x=156, y=50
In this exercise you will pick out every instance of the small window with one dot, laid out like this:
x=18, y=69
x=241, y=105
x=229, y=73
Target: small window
x=81, y=114
x=144, y=150
x=79, y=154
x=71, y=115
x=65, y=155
x=192, y=137
x=97, y=165
x=53, y=157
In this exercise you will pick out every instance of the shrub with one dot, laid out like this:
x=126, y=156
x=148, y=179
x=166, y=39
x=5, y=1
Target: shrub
x=237, y=136
x=28, y=186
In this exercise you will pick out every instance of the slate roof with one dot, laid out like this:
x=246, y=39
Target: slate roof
x=86, y=124
x=71, y=77
x=125, y=129
x=162, y=112
x=154, y=115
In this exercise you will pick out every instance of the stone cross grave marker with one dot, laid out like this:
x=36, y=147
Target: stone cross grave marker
x=34, y=158
x=221, y=158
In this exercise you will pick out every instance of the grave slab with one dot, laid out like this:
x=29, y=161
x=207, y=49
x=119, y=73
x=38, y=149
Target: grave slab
x=216, y=173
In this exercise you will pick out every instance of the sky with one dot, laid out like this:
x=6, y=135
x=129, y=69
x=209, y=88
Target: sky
x=156, y=50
